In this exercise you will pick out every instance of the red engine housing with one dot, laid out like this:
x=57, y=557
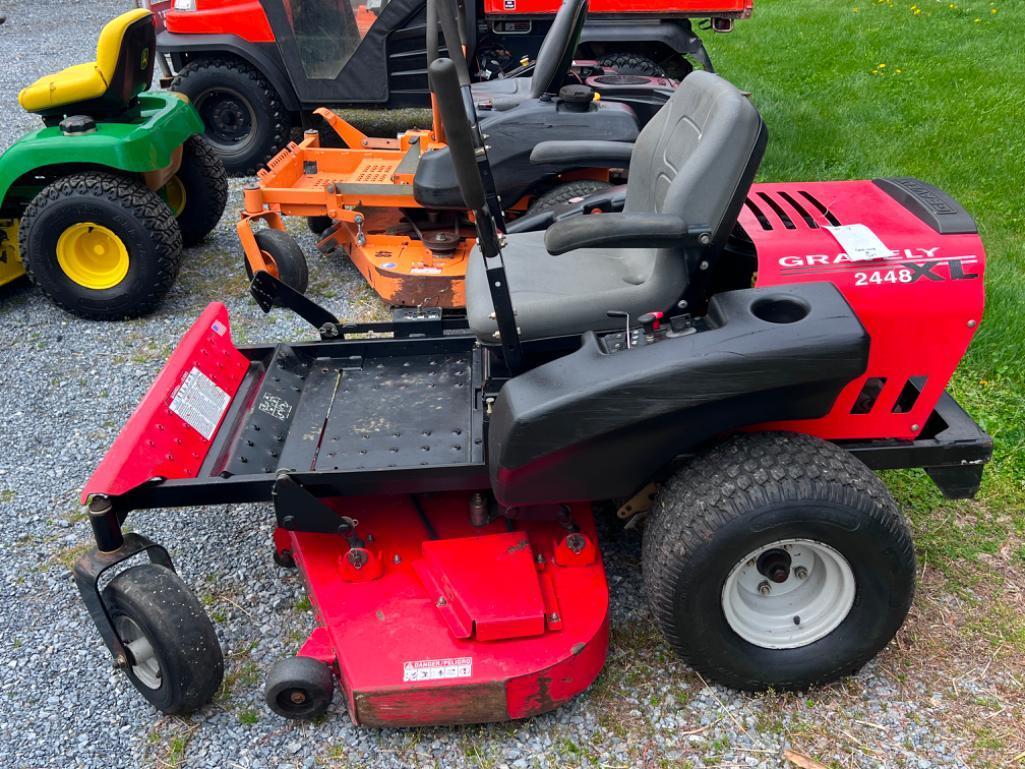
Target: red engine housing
x=920, y=305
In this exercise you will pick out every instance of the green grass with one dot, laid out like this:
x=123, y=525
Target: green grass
x=946, y=107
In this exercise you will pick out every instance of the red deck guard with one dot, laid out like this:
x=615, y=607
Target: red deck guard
x=156, y=442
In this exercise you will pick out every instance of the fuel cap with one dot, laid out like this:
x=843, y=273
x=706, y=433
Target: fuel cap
x=76, y=125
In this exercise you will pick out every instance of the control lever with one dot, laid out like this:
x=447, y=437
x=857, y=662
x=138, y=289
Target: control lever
x=650, y=322
x=621, y=314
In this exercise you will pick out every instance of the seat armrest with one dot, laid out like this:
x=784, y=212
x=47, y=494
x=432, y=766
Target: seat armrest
x=631, y=230
x=601, y=154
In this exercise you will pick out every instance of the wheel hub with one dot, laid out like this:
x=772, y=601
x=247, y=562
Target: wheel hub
x=788, y=594
x=227, y=115
x=92, y=255
x=144, y=664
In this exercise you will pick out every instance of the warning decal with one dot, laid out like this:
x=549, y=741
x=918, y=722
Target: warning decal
x=434, y=670
x=200, y=402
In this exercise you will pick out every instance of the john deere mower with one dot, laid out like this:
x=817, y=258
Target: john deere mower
x=744, y=354
x=393, y=205
x=96, y=205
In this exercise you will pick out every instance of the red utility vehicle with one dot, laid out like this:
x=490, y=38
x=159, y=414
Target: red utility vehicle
x=257, y=68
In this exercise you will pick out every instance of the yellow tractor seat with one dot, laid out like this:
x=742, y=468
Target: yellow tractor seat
x=123, y=69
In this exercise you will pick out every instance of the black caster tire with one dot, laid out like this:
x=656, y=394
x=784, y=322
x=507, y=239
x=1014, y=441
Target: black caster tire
x=284, y=559
x=198, y=193
x=565, y=193
x=632, y=64
x=777, y=560
x=287, y=256
x=318, y=224
x=101, y=246
x=299, y=688
x=174, y=660
x=246, y=122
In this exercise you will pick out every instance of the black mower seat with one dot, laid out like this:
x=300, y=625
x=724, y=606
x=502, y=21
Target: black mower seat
x=690, y=171
x=551, y=68
x=125, y=54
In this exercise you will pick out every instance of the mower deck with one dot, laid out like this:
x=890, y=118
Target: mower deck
x=444, y=622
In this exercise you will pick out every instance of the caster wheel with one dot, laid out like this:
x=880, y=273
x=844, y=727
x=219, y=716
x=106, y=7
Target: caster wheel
x=300, y=688
x=318, y=224
x=777, y=560
x=173, y=659
x=284, y=559
x=286, y=256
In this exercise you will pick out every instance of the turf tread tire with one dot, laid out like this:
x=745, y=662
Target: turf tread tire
x=632, y=64
x=748, y=473
x=278, y=122
x=175, y=623
x=564, y=193
x=206, y=190
x=141, y=204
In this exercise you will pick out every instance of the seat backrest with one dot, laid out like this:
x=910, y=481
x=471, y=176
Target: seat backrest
x=698, y=156
x=125, y=55
x=551, y=67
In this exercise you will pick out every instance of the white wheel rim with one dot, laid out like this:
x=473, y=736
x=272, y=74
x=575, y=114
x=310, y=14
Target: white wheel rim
x=145, y=667
x=808, y=605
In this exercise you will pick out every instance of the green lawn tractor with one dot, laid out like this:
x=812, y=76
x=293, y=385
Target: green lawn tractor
x=97, y=204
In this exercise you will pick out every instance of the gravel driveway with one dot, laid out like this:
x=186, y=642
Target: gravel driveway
x=69, y=384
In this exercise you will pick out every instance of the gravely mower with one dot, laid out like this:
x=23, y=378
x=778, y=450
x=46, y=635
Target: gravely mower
x=394, y=206
x=435, y=484
x=96, y=205
x=256, y=68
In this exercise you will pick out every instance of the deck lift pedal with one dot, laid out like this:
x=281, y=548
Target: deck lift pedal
x=433, y=483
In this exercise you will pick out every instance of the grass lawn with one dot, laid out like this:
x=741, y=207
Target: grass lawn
x=933, y=88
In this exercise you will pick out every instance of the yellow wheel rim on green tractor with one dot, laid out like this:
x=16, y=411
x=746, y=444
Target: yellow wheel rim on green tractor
x=174, y=195
x=92, y=256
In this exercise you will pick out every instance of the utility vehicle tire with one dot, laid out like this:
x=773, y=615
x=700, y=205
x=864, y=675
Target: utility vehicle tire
x=564, y=193
x=198, y=193
x=175, y=660
x=287, y=256
x=318, y=224
x=299, y=687
x=101, y=246
x=777, y=560
x=246, y=122
x=632, y=64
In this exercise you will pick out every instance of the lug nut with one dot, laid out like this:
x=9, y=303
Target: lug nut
x=764, y=587
x=800, y=572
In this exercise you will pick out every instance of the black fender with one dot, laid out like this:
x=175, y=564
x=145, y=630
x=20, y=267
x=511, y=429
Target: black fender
x=263, y=57
x=598, y=425
x=676, y=34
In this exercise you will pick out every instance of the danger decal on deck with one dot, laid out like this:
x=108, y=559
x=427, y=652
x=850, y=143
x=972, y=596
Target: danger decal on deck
x=434, y=670
x=200, y=402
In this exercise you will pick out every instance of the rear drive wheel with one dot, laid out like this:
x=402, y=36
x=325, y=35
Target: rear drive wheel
x=299, y=687
x=101, y=246
x=281, y=250
x=777, y=560
x=632, y=64
x=174, y=659
x=198, y=193
x=246, y=122
x=567, y=192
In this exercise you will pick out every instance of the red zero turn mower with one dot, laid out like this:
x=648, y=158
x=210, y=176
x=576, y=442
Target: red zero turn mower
x=435, y=483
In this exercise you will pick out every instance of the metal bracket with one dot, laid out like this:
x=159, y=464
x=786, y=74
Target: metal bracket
x=270, y=292
x=90, y=567
x=299, y=510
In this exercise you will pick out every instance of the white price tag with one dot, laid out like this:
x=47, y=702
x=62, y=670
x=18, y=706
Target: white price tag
x=859, y=242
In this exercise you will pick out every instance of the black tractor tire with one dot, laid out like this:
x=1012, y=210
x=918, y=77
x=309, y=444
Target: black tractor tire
x=246, y=122
x=318, y=224
x=204, y=182
x=565, y=193
x=299, y=688
x=632, y=64
x=151, y=602
x=138, y=217
x=756, y=491
x=287, y=256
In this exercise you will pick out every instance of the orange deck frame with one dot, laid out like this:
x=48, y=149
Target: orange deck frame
x=362, y=188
